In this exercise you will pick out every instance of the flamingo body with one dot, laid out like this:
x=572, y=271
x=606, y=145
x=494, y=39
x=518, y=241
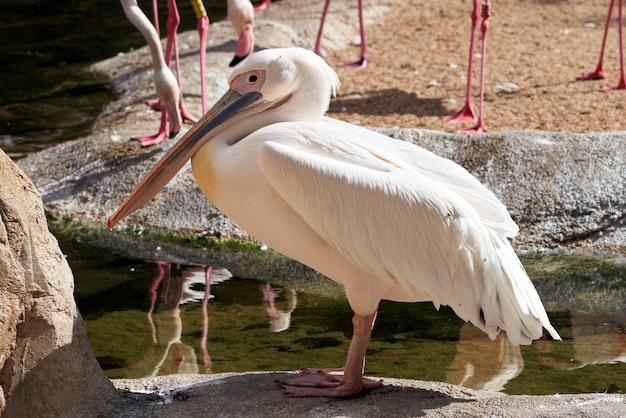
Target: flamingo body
x=384, y=218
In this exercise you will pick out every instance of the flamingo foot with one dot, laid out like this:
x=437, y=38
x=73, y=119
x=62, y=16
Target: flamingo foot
x=597, y=74
x=466, y=114
x=478, y=129
x=620, y=86
x=154, y=104
x=185, y=115
x=325, y=383
x=357, y=65
x=157, y=138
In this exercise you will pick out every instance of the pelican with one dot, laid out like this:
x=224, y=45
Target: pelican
x=384, y=218
x=598, y=73
x=241, y=16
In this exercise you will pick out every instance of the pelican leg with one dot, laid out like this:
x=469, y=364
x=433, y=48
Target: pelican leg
x=598, y=73
x=338, y=383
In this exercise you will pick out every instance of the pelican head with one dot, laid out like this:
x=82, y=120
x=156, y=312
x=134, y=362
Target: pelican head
x=259, y=91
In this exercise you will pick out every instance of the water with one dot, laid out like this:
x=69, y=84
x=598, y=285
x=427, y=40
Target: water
x=150, y=318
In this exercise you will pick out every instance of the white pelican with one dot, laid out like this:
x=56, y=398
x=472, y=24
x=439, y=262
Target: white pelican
x=598, y=73
x=241, y=16
x=385, y=218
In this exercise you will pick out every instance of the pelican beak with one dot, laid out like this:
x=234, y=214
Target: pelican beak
x=225, y=112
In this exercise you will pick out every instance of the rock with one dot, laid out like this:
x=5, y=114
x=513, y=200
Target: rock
x=47, y=367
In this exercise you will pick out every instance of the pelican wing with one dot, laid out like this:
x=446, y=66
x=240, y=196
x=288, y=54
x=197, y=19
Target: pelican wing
x=400, y=214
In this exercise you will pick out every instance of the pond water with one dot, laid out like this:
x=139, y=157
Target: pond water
x=147, y=318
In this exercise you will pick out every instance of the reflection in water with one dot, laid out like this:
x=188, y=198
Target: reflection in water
x=172, y=288
x=599, y=338
x=481, y=363
x=279, y=319
x=167, y=353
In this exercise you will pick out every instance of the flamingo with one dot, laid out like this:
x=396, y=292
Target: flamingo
x=364, y=60
x=241, y=16
x=466, y=113
x=265, y=4
x=169, y=94
x=167, y=88
x=383, y=217
x=598, y=73
x=173, y=21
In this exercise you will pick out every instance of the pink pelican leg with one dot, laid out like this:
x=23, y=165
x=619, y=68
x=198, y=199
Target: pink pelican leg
x=363, y=61
x=338, y=383
x=467, y=114
x=598, y=73
x=167, y=88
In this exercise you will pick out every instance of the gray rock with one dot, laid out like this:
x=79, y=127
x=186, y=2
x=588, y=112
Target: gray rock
x=47, y=367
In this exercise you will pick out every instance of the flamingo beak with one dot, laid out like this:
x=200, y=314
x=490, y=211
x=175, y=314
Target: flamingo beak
x=228, y=109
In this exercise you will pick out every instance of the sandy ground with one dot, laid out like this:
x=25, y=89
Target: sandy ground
x=536, y=49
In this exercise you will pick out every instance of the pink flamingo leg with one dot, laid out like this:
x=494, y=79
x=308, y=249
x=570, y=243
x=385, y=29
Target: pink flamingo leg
x=160, y=136
x=155, y=16
x=203, y=28
x=621, y=85
x=338, y=383
x=265, y=4
x=466, y=113
x=598, y=73
x=480, y=126
x=363, y=61
x=318, y=40
x=173, y=20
